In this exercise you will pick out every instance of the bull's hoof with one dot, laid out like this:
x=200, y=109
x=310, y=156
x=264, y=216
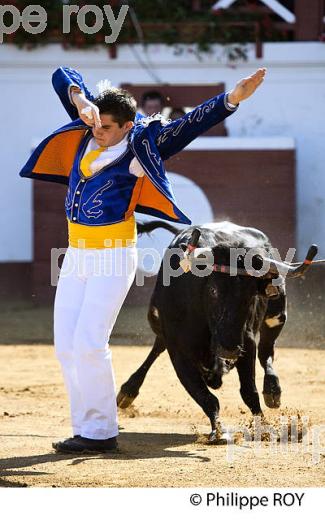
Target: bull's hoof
x=272, y=400
x=124, y=400
x=220, y=438
x=272, y=391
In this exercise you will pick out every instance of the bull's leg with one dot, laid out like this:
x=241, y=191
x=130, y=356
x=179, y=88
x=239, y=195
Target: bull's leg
x=193, y=382
x=272, y=326
x=246, y=371
x=130, y=390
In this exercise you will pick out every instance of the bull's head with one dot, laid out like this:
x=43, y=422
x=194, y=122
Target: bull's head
x=231, y=296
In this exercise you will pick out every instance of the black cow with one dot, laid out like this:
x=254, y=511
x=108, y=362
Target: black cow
x=209, y=323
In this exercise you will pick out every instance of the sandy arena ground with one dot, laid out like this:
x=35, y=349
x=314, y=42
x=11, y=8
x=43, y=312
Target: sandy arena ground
x=162, y=435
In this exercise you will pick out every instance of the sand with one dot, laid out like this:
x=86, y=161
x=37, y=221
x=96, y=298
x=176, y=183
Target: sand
x=163, y=435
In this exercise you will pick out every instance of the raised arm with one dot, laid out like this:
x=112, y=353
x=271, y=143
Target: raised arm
x=74, y=95
x=176, y=135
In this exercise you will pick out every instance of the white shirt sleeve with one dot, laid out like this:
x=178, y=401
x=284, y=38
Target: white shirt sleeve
x=228, y=105
x=135, y=168
x=69, y=92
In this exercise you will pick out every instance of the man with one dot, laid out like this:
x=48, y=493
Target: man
x=112, y=160
x=152, y=102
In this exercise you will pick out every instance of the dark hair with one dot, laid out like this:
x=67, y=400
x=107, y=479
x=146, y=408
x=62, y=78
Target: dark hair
x=119, y=103
x=152, y=94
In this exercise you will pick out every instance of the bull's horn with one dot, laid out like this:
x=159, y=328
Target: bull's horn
x=294, y=272
x=290, y=271
x=193, y=242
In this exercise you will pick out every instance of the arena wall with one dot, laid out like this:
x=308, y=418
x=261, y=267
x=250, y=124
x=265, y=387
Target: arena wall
x=291, y=104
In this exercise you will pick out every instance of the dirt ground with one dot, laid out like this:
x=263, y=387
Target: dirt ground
x=162, y=436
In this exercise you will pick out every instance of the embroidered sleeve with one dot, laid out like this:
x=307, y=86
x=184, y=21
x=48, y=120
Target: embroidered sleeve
x=176, y=135
x=63, y=79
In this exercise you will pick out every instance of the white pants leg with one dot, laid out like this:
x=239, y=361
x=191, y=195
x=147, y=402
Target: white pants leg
x=68, y=300
x=89, y=374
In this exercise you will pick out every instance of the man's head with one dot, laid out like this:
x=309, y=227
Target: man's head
x=117, y=109
x=152, y=102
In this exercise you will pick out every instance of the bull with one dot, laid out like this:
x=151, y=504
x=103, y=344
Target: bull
x=209, y=324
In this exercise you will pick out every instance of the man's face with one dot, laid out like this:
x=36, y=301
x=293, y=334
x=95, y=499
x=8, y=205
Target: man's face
x=110, y=132
x=152, y=106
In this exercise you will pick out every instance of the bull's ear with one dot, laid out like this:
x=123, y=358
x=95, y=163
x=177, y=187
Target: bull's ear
x=183, y=246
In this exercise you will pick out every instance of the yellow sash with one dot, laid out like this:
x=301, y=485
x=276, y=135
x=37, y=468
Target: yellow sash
x=122, y=234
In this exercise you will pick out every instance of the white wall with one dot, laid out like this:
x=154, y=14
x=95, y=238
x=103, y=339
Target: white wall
x=291, y=103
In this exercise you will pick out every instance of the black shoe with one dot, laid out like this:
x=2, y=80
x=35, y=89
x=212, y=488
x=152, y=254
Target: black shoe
x=84, y=445
x=54, y=444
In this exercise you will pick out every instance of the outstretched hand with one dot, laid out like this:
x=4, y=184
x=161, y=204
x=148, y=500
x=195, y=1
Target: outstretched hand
x=246, y=87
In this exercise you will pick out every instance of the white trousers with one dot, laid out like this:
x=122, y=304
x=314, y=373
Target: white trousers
x=92, y=287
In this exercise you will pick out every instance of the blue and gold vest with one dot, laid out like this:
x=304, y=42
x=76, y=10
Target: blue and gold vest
x=112, y=194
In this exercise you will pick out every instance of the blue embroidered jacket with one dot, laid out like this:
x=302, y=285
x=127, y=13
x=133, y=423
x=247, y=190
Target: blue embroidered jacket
x=113, y=194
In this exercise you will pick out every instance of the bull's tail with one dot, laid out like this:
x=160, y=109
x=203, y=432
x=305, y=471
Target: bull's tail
x=148, y=227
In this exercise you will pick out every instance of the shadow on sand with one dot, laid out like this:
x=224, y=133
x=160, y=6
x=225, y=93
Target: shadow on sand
x=132, y=446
